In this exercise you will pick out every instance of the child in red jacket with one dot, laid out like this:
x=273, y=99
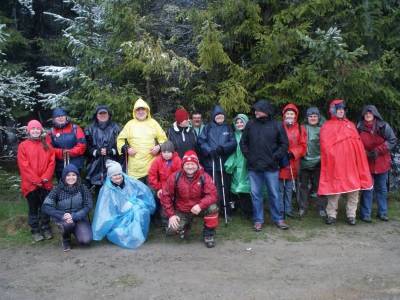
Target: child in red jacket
x=162, y=167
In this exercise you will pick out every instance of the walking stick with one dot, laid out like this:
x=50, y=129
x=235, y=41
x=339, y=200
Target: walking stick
x=102, y=169
x=126, y=157
x=65, y=159
x=294, y=186
x=213, y=170
x=223, y=190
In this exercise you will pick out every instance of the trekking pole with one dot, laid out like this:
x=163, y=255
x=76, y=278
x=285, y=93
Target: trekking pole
x=65, y=159
x=102, y=169
x=283, y=199
x=213, y=170
x=223, y=190
x=294, y=185
x=126, y=157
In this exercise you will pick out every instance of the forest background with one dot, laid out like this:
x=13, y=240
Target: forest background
x=195, y=54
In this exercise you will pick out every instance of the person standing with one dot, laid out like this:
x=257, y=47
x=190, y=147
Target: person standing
x=181, y=134
x=70, y=204
x=264, y=143
x=197, y=122
x=141, y=138
x=216, y=142
x=36, y=163
x=297, y=136
x=68, y=141
x=101, y=138
x=378, y=139
x=344, y=165
x=310, y=164
x=187, y=193
x=236, y=166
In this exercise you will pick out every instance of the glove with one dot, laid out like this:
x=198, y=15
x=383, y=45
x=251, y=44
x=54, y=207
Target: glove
x=372, y=154
x=213, y=153
x=220, y=150
x=289, y=155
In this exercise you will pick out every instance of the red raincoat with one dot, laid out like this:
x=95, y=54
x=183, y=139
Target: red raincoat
x=160, y=170
x=344, y=164
x=297, y=144
x=189, y=193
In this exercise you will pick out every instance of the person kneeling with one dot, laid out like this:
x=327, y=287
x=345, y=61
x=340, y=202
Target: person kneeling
x=70, y=204
x=187, y=193
x=123, y=209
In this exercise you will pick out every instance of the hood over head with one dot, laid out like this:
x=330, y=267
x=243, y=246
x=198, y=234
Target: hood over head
x=217, y=109
x=244, y=118
x=138, y=104
x=335, y=104
x=371, y=108
x=67, y=169
x=292, y=107
x=265, y=106
x=101, y=107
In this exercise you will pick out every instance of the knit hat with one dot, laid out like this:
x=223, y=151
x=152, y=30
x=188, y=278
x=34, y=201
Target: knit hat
x=33, y=123
x=113, y=168
x=313, y=111
x=67, y=169
x=168, y=146
x=190, y=156
x=181, y=115
x=59, y=112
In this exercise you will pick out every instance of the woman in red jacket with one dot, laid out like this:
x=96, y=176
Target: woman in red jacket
x=378, y=140
x=36, y=162
x=187, y=193
x=297, y=136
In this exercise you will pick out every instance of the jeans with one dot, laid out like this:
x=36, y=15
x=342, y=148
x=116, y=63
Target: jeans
x=380, y=193
x=285, y=195
x=271, y=179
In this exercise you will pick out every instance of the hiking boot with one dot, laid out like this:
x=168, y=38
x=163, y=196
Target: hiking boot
x=209, y=240
x=37, y=237
x=351, y=220
x=330, y=220
x=257, y=227
x=301, y=212
x=290, y=215
x=281, y=225
x=366, y=219
x=66, y=244
x=383, y=217
x=322, y=213
x=184, y=234
x=47, y=234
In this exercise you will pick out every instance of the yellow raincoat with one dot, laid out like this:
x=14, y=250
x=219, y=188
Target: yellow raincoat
x=142, y=136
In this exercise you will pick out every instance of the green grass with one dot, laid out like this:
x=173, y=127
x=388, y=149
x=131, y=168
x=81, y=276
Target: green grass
x=14, y=229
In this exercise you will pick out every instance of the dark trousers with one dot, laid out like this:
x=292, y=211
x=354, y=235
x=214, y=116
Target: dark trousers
x=305, y=176
x=227, y=190
x=81, y=229
x=245, y=203
x=35, y=201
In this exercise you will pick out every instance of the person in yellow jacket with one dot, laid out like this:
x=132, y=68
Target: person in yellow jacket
x=141, y=139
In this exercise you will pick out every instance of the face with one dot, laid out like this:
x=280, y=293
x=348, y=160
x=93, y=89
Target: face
x=184, y=123
x=290, y=116
x=60, y=119
x=220, y=118
x=102, y=116
x=117, y=179
x=190, y=168
x=141, y=114
x=340, y=112
x=239, y=124
x=313, y=119
x=260, y=114
x=71, y=178
x=167, y=155
x=369, y=117
x=196, y=120
x=35, y=132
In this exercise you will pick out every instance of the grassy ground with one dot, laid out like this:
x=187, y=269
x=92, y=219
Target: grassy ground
x=14, y=229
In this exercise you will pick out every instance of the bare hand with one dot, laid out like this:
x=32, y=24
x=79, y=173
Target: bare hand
x=196, y=209
x=173, y=222
x=103, y=151
x=131, y=152
x=68, y=218
x=159, y=192
x=155, y=150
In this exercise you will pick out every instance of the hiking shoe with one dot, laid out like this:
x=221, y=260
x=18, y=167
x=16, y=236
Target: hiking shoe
x=301, y=212
x=281, y=225
x=330, y=220
x=322, y=213
x=209, y=240
x=383, y=217
x=37, y=237
x=257, y=226
x=366, y=219
x=47, y=234
x=351, y=220
x=184, y=234
x=66, y=244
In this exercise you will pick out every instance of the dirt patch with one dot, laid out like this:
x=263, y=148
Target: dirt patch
x=333, y=262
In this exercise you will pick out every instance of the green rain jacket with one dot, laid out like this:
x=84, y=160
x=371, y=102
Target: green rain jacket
x=236, y=163
x=312, y=159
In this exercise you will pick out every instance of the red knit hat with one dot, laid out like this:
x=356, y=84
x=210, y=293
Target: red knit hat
x=181, y=115
x=33, y=123
x=190, y=156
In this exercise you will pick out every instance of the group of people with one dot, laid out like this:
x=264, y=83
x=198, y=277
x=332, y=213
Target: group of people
x=199, y=170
